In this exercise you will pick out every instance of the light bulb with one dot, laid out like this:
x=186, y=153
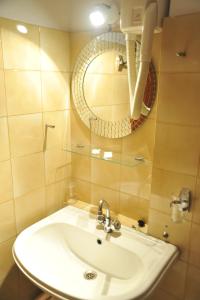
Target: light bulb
x=104, y=14
x=22, y=28
x=97, y=18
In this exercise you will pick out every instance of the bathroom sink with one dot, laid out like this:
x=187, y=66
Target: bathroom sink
x=67, y=256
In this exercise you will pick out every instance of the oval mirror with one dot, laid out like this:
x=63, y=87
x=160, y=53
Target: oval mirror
x=100, y=86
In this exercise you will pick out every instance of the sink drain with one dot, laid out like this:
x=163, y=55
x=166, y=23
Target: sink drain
x=90, y=275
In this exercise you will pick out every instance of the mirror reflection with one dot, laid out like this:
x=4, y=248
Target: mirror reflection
x=106, y=87
x=100, y=86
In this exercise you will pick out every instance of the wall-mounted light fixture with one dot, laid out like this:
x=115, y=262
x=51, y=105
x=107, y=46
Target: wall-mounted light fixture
x=22, y=29
x=104, y=14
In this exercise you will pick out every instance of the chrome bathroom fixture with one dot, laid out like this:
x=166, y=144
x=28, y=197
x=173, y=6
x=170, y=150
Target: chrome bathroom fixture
x=106, y=220
x=121, y=64
x=165, y=233
x=180, y=205
x=183, y=200
x=104, y=14
x=181, y=54
x=47, y=126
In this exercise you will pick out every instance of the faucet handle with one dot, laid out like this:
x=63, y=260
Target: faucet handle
x=116, y=223
x=101, y=218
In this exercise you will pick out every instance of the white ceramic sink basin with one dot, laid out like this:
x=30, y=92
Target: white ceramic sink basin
x=56, y=252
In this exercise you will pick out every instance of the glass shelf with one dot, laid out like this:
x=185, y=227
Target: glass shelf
x=129, y=160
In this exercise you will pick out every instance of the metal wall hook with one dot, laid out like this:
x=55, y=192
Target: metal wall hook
x=45, y=135
x=165, y=233
x=121, y=64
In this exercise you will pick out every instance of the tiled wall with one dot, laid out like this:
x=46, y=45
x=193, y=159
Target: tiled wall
x=34, y=90
x=175, y=157
x=177, y=152
x=126, y=189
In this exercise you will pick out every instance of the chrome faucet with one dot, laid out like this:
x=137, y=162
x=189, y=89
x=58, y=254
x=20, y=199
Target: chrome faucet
x=106, y=219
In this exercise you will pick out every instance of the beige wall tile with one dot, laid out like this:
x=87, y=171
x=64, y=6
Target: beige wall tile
x=28, y=173
x=80, y=189
x=55, y=196
x=193, y=284
x=136, y=180
x=80, y=134
x=106, y=144
x=81, y=167
x=4, y=141
x=104, y=64
x=175, y=279
x=141, y=142
x=115, y=103
x=97, y=94
x=102, y=193
x=3, y=107
x=153, y=112
x=105, y=174
x=29, y=208
x=20, y=51
x=178, y=98
x=185, y=37
x=7, y=262
x=156, y=50
x=78, y=40
x=1, y=55
x=55, y=50
x=120, y=89
x=55, y=136
x=195, y=245
x=165, y=185
x=134, y=207
x=6, y=192
x=26, y=134
x=177, y=148
x=56, y=165
x=179, y=233
x=67, y=130
x=7, y=221
x=55, y=91
x=23, y=91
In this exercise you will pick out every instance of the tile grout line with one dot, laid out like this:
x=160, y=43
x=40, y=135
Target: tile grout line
x=43, y=121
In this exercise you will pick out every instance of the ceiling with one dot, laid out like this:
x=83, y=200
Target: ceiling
x=69, y=15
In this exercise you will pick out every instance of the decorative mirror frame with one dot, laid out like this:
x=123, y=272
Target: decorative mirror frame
x=111, y=129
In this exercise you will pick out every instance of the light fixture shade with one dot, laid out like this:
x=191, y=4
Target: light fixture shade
x=22, y=29
x=104, y=14
x=97, y=18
